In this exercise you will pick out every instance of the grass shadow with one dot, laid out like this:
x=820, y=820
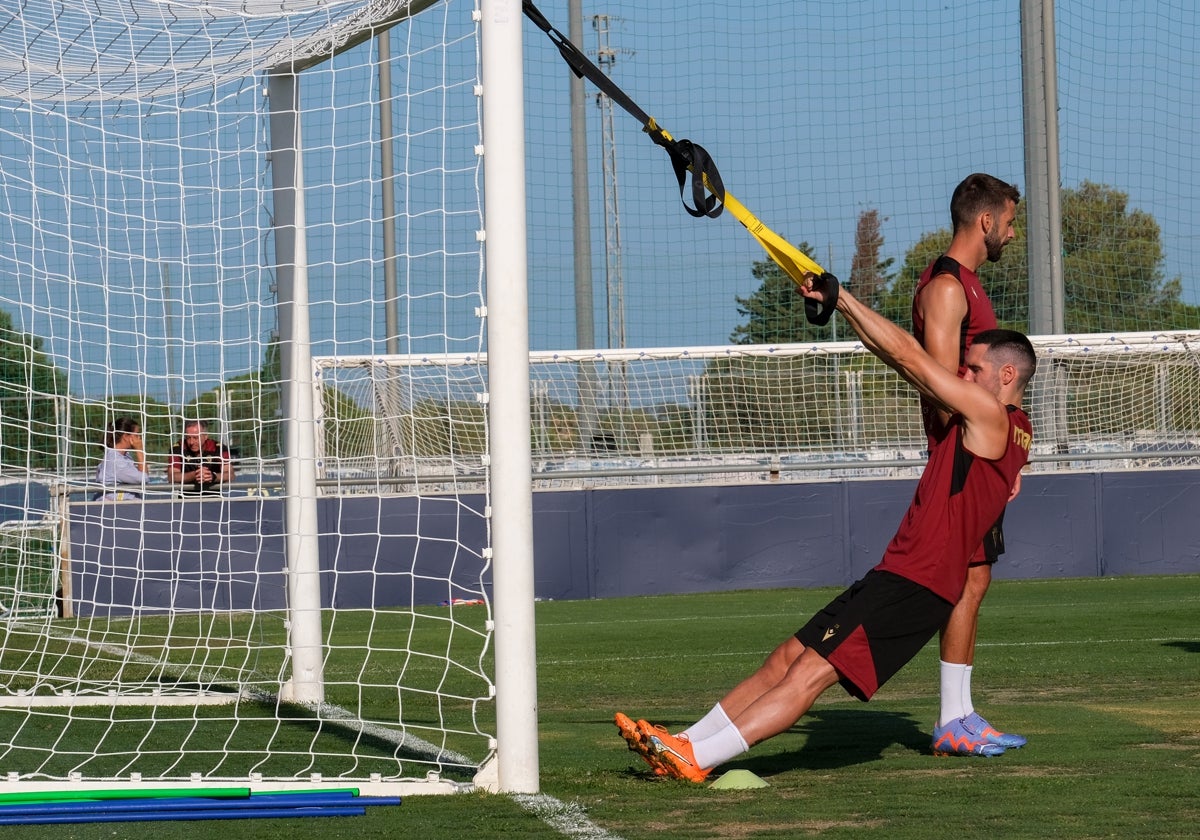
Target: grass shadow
x=1185, y=646
x=835, y=738
x=841, y=738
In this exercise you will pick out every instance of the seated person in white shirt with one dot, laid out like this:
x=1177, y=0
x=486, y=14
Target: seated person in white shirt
x=122, y=470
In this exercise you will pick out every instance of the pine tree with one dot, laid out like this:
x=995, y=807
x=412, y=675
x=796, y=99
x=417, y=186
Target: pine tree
x=869, y=276
x=774, y=312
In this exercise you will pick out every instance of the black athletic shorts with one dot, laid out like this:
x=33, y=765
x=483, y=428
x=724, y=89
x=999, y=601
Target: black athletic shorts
x=993, y=543
x=874, y=628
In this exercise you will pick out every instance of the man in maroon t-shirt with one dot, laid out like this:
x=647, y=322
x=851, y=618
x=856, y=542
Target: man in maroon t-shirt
x=871, y=630
x=950, y=307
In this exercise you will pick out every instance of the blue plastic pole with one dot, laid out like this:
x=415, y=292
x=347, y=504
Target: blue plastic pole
x=287, y=800
x=152, y=816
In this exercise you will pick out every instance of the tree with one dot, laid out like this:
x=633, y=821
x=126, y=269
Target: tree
x=1112, y=270
x=252, y=405
x=896, y=301
x=1112, y=266
x=774, y=311
x=31, y=388
x=869, y=276
x=89, y=420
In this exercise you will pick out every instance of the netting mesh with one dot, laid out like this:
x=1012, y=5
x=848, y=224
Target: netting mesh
x=138, y=50
x=748, y=413
x=138, y=279
x=149, y=631
x=819, y=114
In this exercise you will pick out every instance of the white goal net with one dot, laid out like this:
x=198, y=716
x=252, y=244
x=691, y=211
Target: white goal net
x=193, y=197
x=742, y=413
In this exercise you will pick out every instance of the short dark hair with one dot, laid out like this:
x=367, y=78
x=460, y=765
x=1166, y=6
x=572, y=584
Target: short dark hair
x=1011, y=347
x=118, y=428
x=980, y=193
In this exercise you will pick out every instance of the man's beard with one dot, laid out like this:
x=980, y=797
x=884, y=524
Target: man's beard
x=995, y=247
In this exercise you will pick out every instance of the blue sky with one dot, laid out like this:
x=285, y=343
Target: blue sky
x=816, y=111
x=813, y=111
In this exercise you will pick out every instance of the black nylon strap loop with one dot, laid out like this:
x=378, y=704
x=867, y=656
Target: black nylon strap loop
x=708, y=191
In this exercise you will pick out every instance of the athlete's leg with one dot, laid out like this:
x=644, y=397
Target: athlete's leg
x=773, y=712
x=786, y=702
x=774, y=668
x=768, y=701
x=957, y=646
x=958, y=636
x=957, y=666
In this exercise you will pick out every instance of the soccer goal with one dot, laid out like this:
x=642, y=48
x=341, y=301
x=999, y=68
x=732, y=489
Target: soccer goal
x=194, y=198
x=743, y=412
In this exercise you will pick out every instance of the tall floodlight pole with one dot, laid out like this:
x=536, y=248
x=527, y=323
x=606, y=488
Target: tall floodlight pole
x=1044, y=210
x=614, y=280
x=614, y=276
x=585, y=319
x=511, y=498
x=387, y=176
x=168, y=303
x=585, y=323
x=387, y=199
x=1039, y=72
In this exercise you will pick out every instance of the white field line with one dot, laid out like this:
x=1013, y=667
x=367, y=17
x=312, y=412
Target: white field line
x=803, y=614
x=568, y=820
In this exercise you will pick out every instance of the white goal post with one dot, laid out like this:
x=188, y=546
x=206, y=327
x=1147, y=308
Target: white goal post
x=198, y=197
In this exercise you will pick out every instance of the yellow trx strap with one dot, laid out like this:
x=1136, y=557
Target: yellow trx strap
x=708, y=191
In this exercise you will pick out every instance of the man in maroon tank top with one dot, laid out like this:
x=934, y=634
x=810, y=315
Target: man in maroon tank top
x=862, y=637
x=949, y=309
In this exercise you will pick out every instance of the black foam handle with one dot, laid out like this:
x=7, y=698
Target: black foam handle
x=820, y=313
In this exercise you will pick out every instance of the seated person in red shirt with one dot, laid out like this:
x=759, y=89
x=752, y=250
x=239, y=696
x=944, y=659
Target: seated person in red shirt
x=199, y=465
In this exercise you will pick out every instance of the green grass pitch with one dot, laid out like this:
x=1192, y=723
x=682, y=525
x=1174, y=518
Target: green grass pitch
x=1102, y=675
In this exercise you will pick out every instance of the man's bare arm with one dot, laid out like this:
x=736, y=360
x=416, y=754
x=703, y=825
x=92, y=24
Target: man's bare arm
x=985, y=426
x=942, y=305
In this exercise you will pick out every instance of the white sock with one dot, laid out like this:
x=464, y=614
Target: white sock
x=709, y=725
x=967, y=705
x=720, y=747
x=952, y=692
